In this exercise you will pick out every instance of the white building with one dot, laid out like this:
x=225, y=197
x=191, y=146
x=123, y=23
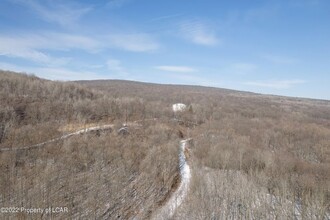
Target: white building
x=179, y=107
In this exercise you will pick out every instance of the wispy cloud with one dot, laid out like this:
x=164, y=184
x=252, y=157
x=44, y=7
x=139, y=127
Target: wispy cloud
x=199, y=33
x=53, y=73
x=242, y=68
x=115, y=67
x=64, y=14
x=24, y=52
x=63, y=41
x=279, y=59
x=37, y=47
x=166, y=17
x=276, y=84
x=117, y=3
x=260, y=14
x=32, y=46
x=56, y=73
x=193, y=79
x=133, y=42
x=304, y=3
x=11, y=67
x=179, y=69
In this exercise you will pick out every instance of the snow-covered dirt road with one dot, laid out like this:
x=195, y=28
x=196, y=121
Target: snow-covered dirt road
x=168, y=210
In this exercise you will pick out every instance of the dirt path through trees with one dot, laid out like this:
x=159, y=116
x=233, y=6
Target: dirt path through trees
x=168, y=210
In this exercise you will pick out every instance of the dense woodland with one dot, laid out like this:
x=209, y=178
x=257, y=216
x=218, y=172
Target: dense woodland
x=96, y=175
x=252, y=156
x=248, y=149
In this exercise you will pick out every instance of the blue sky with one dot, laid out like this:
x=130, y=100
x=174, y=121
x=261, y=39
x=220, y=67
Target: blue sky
x=265, y=46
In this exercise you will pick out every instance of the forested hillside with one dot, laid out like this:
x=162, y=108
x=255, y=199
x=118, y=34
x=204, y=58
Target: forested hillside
x=254, y=156
x=102, y=174
x=251, y=156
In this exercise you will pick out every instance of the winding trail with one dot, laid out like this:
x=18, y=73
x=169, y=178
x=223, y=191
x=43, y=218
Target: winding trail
x=82, y=131
x=168, y=210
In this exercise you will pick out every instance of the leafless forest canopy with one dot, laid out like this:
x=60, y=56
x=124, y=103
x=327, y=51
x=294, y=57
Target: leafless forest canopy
x=252, y=156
